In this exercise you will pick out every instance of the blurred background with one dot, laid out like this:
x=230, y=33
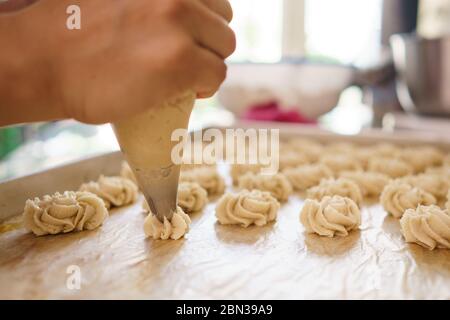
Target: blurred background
x=327, y=63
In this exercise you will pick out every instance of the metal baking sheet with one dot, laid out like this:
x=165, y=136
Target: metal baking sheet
x=221, y=262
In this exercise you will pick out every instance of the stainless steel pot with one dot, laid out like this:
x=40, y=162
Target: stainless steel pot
x=423, y=73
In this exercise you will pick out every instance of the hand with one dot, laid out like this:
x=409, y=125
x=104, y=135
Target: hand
x=129, y=55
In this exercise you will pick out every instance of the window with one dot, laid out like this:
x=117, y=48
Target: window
x=344, y=31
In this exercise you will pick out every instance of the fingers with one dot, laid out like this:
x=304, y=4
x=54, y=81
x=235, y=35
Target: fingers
x=221, y=7
x=212, y=32
x=205, y=26
x=209, y=71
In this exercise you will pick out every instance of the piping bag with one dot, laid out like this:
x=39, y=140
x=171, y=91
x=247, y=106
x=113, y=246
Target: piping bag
x=145, y=141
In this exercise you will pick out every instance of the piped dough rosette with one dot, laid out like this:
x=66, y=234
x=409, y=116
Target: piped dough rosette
x=174, y=228
x=304, y=177
x=385, y=149
x=342, y=147
x=207, y=177
x=394, y=168
x=237, y=170
x=341, y=162
x=339, y=187
x=62, y=213
x=332, y=216
x=434, y=183
x=292, y=159
x=191, y=197
x=370, y=183
x=422, y=157
x=115, y=191
x=398, y=196
x=278, y=185
x=310, y=149
x=428, y=226
x=246, y=208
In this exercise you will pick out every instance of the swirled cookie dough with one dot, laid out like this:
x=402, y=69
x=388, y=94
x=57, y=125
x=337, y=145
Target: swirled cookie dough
x=332, y=216
x=126, y=172
x=340, y=147
x=310, y=149
x=339, y=187
x=62, y=213
x=434, y=183
x=278, y=185
x=191, y=197
x=422, y=157
x=292, y=159
x=393, y=167
x=398, y=196
x=370, y=183
x=238, y=170
x=173, y=229
x=115, y=191
x=341, y=162
x=385, y=149
x=428, y=226
x=304, y=177
x=246, y=208
x=208, y=178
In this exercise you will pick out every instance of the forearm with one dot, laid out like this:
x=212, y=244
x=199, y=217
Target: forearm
x=24, y=82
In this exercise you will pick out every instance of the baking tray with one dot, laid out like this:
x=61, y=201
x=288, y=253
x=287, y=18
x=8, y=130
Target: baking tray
x=277, y=261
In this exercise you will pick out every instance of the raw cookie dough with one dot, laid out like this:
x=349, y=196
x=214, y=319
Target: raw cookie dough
x=428, y=226
x=332, y=216
x=115, y=191
x=446, y=160
x=208, y=178
x=278, y=185
x=310, y=149
x=62, y=213
x=436, y=184
x=238, y=170
x=398, y=196
x=422, y=157
x=340, y=187
x=341, y=162
x=307, y=176
x=385, y=149
x=370, y=183
x=126, y=172
x=292, y=159
x=246, y=208
x=340, y=147
x=191, y=197
x=174, y=229
x=395, y=168
x=363, y=155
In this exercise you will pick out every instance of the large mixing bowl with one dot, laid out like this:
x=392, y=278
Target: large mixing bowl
x=423, y=73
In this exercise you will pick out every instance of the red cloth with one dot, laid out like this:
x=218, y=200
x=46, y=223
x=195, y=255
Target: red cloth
x=271, y=111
